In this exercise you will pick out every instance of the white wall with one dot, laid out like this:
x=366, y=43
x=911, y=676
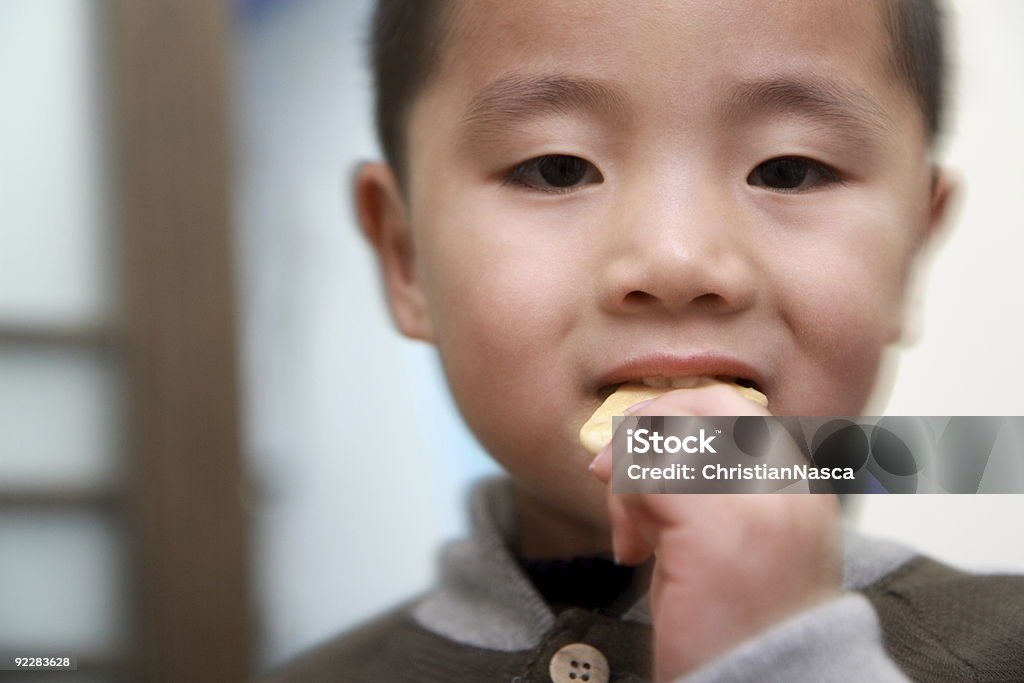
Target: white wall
x=329, y=380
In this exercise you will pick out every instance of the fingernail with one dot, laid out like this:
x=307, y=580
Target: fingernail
x=636, y=406
x=597, y=458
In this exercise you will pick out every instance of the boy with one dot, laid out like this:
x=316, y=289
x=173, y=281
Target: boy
x=587, y=192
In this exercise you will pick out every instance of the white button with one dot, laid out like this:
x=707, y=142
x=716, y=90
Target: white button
x=578, y=662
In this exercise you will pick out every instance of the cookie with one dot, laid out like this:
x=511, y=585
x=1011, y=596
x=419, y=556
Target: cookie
x=596, y=433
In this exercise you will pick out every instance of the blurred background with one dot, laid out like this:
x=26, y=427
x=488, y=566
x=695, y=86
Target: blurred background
x=194, y=352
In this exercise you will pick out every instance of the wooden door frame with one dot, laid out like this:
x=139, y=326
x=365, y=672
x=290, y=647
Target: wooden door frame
x=171, y=134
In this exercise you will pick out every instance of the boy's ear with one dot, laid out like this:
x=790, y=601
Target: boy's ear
x=382, y=214
x=946, y=190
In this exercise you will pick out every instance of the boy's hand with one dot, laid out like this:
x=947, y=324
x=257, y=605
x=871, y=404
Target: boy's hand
x=727, y=566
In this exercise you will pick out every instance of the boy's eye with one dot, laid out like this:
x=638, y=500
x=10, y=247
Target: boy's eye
x=555, y=173
x=792, y=174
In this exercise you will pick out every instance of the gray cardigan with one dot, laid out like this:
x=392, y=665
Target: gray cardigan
x=903, y=617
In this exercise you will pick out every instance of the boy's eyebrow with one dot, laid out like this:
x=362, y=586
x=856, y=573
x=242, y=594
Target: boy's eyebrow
x=850, y=111
x=517, y=97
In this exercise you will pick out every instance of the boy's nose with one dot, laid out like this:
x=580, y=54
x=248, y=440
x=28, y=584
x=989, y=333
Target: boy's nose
x=679, y=253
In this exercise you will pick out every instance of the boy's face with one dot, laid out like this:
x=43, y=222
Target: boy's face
x=746, y=188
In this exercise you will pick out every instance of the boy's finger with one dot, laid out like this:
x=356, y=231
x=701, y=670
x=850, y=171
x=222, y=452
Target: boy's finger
x=629, y=542
x=601, y=465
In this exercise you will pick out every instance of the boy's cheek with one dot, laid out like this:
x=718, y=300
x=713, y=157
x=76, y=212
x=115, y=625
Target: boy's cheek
x=501, y=344
x=839, y=343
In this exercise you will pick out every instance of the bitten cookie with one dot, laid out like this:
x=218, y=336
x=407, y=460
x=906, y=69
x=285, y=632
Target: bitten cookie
x=596, y=433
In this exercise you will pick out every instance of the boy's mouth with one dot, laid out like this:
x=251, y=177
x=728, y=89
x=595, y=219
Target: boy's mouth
x=681, y=382
x=683, y=371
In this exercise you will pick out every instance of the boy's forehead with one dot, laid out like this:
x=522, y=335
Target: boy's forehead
x=655, y=33
x=824, y=52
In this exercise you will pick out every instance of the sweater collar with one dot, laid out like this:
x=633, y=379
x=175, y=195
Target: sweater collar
x=483, y=598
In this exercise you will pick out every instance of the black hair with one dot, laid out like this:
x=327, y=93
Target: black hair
x=917, y=43
x=404, y=50
x=407, y=36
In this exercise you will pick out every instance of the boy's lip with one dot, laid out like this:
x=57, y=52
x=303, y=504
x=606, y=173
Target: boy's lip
x=663, y=364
